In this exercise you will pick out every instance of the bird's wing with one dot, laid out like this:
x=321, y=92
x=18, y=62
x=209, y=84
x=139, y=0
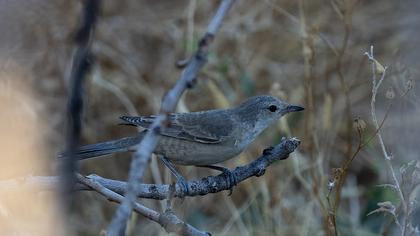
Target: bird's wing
x=203, y=127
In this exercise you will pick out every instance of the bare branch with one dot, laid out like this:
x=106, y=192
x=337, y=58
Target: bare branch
x=149, y=142
x=210, y=184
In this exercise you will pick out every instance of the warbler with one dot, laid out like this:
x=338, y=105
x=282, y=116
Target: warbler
x=203, y=137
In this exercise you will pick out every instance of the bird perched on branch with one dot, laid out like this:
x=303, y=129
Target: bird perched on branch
x=201, y=138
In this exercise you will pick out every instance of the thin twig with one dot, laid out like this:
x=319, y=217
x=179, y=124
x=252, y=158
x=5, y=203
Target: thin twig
x=170, y=100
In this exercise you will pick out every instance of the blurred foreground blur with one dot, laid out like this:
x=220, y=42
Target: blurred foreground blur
x=24, y=209
x=305, y=52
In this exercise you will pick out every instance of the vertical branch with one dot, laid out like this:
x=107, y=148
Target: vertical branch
x=170, y=100
x=377, y=67
x=80, y=67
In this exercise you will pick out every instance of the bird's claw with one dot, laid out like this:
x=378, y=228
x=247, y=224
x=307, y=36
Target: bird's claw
x=182, y=184
x=231, y=180
x=260, y=172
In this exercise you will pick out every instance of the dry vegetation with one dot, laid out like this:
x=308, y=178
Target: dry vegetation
x=306, y=52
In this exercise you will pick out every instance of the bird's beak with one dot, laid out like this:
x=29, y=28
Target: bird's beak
x=292, y=108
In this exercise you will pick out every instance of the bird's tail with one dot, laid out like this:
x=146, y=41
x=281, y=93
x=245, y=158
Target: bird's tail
x=105, y=148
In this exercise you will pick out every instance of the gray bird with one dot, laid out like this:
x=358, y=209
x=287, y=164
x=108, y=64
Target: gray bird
x=201, y=138
x=204, y=137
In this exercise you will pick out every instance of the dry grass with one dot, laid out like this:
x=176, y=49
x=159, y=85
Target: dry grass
x=306, y=52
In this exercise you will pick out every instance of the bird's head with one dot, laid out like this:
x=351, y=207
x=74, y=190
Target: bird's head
x=264, y=110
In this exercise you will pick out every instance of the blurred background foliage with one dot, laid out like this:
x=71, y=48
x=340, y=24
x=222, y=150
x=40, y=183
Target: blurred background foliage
x=305, y=52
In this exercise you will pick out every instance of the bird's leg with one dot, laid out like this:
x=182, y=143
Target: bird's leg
x=180, y=179
x=231, y=177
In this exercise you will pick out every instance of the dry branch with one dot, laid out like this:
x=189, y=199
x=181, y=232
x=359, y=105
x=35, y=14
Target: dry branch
x=210, y=184
x=169, y=221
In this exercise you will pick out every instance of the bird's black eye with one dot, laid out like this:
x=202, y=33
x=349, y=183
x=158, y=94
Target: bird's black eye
x=272, y=108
